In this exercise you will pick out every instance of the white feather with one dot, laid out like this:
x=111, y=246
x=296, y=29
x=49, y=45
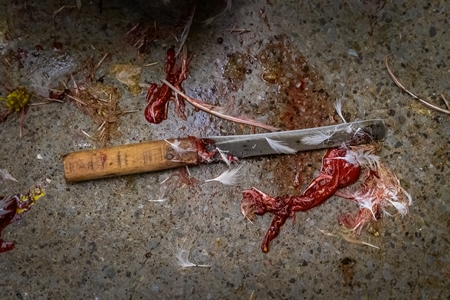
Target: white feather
x=367, y=159
x=316, y=138
x=224, y=157
x=176, y=147
x=366, y=202
x=359, y=132
x=229, y=177
x=401, y=207
x=4, y=212
x=280, y=147
x=349, y=157
x=158, y=200
x=40, y=84
x=338, y=107
x=4, y=175
x=220, y=15
x=4, y=203
x=408, y=196
x=182, y=256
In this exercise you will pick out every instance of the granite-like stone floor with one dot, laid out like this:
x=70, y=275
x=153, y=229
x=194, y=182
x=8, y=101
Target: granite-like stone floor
x=103, y=239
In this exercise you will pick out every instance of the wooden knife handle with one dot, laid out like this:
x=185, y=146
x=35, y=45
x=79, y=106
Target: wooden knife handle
x=127, y=159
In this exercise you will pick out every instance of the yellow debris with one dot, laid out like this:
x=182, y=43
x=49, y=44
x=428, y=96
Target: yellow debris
x=128, y=75
x=17, y=99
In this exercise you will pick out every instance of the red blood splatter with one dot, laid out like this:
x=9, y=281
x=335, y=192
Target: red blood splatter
x=158, y=97
x=335, y=173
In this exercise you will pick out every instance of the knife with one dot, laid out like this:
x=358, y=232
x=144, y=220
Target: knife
x=172, y=153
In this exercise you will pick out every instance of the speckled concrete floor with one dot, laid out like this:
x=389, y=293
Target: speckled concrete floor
x=103, y=240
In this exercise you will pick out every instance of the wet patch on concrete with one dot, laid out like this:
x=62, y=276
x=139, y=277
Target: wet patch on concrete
x=301, y=102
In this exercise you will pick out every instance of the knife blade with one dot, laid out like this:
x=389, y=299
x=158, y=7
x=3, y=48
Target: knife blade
x=172, y=153
x=251, y=145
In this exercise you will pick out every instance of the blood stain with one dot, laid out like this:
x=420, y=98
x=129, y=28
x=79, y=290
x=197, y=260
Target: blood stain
x=301, y=102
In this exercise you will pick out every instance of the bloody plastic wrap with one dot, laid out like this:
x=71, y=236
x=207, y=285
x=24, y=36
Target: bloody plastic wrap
x=13, y=207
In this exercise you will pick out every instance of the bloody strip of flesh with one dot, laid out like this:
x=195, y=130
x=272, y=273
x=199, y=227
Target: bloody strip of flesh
x=207, y=151
x=158, y=97
x=335, y=173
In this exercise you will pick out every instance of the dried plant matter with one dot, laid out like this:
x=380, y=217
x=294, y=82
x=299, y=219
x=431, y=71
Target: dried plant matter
x=100, y=102
x=18, y=101
x=141, y=37
x=403, y=88
x=129, y=75
x=349, y=238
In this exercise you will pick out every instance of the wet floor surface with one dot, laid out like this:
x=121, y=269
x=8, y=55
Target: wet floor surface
x=284, y=63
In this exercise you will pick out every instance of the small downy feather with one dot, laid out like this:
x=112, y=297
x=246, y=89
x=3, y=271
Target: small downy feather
x=40, y=85
x=182, y=256
x=229, y=177
x=338, y=107
x=401, y=207
x=280, y=147
x=160, y=199
x=349, y=157
x=220, y=15
x=366, y=201
x=176, y=146
x=316, y=138
x=367, y=159
x=4, y=203
x=164, y=186
x=224, y=157
x=407, y=195
x=4, y=175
